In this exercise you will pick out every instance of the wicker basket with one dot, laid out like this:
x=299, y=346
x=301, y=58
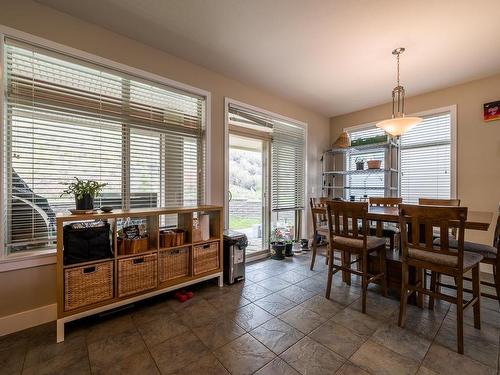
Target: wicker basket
x=86, y=285
x=137, y=274
x=205, y=257
x=173, y=264
x=343, y=141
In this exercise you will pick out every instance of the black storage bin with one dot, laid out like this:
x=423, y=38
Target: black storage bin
x=83, y=244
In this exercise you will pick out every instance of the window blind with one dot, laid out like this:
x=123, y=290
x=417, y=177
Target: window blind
x=288, y=167
x=68, y=118
x=426, y=159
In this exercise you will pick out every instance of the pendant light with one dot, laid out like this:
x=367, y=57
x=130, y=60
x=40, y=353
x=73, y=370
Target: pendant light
x=399, y=123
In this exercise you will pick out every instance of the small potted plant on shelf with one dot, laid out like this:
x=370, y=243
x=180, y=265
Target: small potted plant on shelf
x=360, y=164
x=278, y=244
x=84, y=191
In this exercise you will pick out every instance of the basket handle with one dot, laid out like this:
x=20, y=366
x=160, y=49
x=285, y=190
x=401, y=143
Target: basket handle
x=176, y=251
x=139, y=260
x=206, y=246
x=91, y=269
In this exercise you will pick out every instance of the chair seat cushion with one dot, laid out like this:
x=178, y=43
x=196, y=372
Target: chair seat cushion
x=470, y=259
x=371, y=242
x=486, y=251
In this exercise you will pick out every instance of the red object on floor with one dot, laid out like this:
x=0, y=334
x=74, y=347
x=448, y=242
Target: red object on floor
x=189, y=295
x=182, y=298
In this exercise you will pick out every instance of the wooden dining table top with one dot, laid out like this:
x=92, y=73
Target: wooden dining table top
x=477, y=220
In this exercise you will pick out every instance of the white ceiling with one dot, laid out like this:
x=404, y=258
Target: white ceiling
x=333, y=56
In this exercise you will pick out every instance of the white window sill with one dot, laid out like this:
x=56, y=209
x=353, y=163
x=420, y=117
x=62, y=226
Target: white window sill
x=28, y=260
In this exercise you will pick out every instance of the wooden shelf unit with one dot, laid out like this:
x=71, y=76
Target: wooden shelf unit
x=152, y=216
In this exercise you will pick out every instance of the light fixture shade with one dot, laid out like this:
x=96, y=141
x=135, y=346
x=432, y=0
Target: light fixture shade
x=399, y=125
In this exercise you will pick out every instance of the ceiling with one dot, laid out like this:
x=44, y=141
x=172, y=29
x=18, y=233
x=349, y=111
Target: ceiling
x=332, y=56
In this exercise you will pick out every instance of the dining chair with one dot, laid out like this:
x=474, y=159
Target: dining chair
x=348, y=238
x=379, y=230
x=320, y=224
x=452, y=235
x=440, y=259
x=490, y=255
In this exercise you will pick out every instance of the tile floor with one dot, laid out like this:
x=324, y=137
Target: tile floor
x=276, y=322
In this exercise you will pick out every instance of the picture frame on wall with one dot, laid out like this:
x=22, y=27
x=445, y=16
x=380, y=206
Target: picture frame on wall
x=491, y=111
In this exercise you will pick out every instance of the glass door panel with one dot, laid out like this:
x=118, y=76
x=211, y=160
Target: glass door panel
x=247, y=190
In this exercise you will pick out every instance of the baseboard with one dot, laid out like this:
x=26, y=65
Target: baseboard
x=27, y=319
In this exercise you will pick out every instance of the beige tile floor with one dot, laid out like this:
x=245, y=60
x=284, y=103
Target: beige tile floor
x=276, y=322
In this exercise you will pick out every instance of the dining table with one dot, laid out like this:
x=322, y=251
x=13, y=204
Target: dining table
x=476, y=220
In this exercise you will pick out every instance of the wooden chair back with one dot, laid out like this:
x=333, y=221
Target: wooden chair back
x=426, y=218
x=496, y=237
x=385, y=202
x=318, y=209
x=438, y=202
x=344, y=217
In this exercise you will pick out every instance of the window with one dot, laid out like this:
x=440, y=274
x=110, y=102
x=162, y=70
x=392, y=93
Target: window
x=426, y=160
x=68, y=118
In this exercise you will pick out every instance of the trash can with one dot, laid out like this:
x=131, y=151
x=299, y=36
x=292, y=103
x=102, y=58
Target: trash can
x=235, y=244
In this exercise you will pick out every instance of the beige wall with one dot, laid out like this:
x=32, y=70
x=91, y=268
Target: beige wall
x=32, y=288
x=478, y=143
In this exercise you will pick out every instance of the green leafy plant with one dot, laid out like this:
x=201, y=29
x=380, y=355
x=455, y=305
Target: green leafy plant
x=80, y=188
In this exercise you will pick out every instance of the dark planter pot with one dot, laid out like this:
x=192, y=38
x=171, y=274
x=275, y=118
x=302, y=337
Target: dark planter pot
x=86, y=203
x=360, y=165
x=289, y=249
x=304, y=244
x=277, y=250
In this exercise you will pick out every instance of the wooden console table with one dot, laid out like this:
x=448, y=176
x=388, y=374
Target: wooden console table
x=115, y=283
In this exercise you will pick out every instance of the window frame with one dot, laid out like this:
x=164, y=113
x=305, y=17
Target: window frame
x=452, y=109
x=9, y=262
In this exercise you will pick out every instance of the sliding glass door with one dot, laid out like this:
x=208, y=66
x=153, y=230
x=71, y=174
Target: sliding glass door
x=248, y=190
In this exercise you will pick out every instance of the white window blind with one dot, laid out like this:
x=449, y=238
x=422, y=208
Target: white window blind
x=361, y=185
x=68, y=118
x=288, y=167
x=426, y=159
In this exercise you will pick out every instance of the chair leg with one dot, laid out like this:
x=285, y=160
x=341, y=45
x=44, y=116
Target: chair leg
x=327, y=255
x=476, y=292
x=343, y=262
x=420, y=272
x=314, y=249
x=383, y=269
x=496, y=276
x=330, y=273
x=364, y=282
x=460, y=314
x=348, y=265
x=403, y=301
x=433, y=289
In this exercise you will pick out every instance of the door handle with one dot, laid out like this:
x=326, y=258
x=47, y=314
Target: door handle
x=230, y=195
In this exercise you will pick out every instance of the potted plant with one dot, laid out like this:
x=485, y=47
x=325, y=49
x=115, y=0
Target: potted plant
x=278, y=245
x=84, y=191
x=360, y=164
x=289, y=248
